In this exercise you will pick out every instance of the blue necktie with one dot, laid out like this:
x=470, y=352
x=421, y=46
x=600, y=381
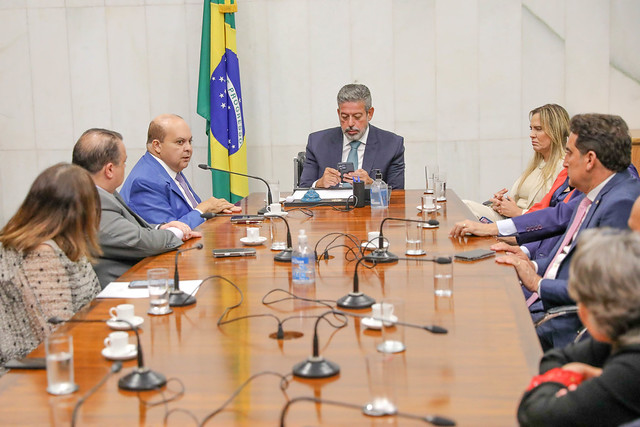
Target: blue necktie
x=353, y=154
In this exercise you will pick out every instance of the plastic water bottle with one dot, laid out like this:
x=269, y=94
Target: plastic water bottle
x=379, y=192
x=303, y=262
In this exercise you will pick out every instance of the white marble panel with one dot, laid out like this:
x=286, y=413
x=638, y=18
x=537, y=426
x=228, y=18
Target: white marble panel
x=418, y=154
x=499, y=68
x=288, y=69
x=89, y=68
x=461, y=163
x=167, y=60
x=45, y=3
x=50, y=76
x=161, y=2
x=373, y=55
x=457, y=69
x=587, y=56
x=13, y=4
x=625, y=36
x=543, y=69
x=3, y=219
x=128, y=72
x=551, y=12
x=260, y=160
x=500, y=164
x=134, y=153
x=625, y=98
x=193, y=16
x=48, y=158
x=17, y=172
x=16, y=107
x=200, y=2
x=330, y=61
x=414, y=40
x=124, y=2
x=282, y=162
x=83, y=3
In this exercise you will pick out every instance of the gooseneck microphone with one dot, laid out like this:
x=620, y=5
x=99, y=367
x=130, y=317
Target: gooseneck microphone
x=115, y=368
x=141, y=378
x=356, y=299
x=177, y=298
x=285, y=254
x=207, y=215
x=380, y=254
x=269, y=197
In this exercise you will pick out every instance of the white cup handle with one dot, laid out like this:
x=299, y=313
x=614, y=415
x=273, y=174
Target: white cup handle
x=107, y=342
x=269, y=208
x=112, y=312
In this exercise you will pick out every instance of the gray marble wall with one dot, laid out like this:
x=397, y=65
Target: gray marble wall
x=456, y=78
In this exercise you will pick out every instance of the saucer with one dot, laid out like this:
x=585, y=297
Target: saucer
x=130, y=352
x=245, y=241
x=122, y=326
x=271, y=214
x=438, y=207
x=372, y=323
x=370, y=246
x=441, y=199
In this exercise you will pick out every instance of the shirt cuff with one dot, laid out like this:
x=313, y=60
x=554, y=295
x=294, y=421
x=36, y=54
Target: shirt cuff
x=526, y=251
x=179, y=234
x=506, y=227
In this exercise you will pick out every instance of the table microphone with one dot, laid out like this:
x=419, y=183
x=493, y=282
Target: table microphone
x=269, y=197
x=382, y=255
x=284, y=255
x=177, y=298
x=207, y=215
x=141, y=378
x=356, y=299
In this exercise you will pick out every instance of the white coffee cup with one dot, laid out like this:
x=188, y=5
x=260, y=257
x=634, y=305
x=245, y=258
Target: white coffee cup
x=274, y=208
x=122, y=311
x=382, y=311
x=117, y=342
x=253, y=233
x=372, y=236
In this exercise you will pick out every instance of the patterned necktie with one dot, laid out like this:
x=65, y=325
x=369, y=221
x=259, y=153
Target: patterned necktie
x=185, y=188
x=353, y=154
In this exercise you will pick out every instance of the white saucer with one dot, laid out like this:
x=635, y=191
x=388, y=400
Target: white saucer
x=371, y=246
x=438, y=207
x=122, y=326
x=245, y=240
x=271, y=215
x=372, y=323
x=441, y=199
x=129, y=353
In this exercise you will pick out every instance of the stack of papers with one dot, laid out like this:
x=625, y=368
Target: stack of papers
x=122, y=290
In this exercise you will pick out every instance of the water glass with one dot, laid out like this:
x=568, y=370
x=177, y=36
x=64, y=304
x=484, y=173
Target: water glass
x=59, y=356
x=278, y=234
x=274, y=185
x=381, y=374
x=414, y=238
x=429, y=174
x=158, y=285
x=428, y=203
x=441, y=187
x=443, y=276
x=393, y=334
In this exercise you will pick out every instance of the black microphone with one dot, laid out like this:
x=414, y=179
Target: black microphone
x=269, y=197
x=177, y=298
x=356, y=299
x=285, y=254
x=382, y=255
x=207, y=215
x=141, y=378
x=115, y=368
x=436, y=420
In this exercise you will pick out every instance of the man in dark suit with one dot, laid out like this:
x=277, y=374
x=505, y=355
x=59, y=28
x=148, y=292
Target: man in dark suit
x=598, y=155
x=156, y=189
x=355, y=141
x=125, y=238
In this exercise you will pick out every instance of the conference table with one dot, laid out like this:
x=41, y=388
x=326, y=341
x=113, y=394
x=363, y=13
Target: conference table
x=474, y=374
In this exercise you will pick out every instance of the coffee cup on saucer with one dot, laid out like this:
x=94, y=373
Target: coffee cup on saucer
x=274, y=209
x=253, y=234
x=117, y=343
x=122, y=312
x=382, y=311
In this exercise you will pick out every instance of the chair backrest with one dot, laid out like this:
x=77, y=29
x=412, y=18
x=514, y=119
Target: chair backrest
x=298, y=164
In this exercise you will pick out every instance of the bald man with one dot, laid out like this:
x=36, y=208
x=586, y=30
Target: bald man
x=156, y=189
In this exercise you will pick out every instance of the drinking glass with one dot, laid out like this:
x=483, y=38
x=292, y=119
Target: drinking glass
x=158, y=285
x=59, y=356
x=443, y=276
x=381, y=374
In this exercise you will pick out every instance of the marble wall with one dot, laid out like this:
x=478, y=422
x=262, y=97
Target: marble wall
x=456, y=78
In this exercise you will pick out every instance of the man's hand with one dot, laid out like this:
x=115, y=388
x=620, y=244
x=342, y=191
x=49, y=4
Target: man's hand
x=330, y=178
x=364, y=177
x=526, y=270
x=187, y=232
x=473, y=227
x=510, y=249
x=218, y=205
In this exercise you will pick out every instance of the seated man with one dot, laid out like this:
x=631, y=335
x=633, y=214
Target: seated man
x=598, y=154
x=125, y=238
x=355, y=141
x=157, y=189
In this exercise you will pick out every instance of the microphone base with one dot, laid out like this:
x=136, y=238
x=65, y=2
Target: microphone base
x=381, y=256
x=356, y=301
x=316, y=367
x=142, y=379
x=180, y=299
x=284, y=256
x=262, y=211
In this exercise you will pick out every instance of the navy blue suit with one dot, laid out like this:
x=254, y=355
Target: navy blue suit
x=384, y=150
x=611, y=208
x=155, y=196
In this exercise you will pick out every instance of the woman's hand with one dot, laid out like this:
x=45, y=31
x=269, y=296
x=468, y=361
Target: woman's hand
x=509, y=208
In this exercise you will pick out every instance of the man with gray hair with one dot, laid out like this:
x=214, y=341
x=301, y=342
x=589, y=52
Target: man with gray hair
x=355, y=141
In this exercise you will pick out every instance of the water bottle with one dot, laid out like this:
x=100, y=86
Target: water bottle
x=303, y=262
x=379, y=192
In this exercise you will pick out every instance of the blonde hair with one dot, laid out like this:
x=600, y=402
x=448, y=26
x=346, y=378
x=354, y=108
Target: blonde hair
x=555, y=123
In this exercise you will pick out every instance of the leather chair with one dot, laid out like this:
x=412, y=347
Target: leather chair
x=298, y=164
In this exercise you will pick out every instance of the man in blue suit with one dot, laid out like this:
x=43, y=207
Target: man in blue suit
x=156, y=189
x=598, y=155
x=355, y=141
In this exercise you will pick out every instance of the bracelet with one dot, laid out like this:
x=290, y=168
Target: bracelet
x=556, y=375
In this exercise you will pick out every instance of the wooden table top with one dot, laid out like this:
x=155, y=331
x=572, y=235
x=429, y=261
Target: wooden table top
x=475, y=374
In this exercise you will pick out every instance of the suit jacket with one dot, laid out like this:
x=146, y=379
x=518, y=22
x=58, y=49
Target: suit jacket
x=384, y=150
x=155, y=196
x=611, y=208
x=125, y=238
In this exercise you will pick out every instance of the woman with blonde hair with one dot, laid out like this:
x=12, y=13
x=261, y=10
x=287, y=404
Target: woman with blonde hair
x=549, y=126
x=45, y=253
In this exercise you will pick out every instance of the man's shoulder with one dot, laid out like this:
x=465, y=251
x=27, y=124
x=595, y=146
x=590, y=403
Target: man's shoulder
x=384, y=134
x=326, y=133
x=622, y=185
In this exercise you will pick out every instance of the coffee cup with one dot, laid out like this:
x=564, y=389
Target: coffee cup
x=122, y=312
x=117, y=342
x=428, y=203
x=253, y=233
x=274, y=208
x=382, y=311
x=372, y=236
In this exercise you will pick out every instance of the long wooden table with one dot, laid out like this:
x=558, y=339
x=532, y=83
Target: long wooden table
x=475, y=374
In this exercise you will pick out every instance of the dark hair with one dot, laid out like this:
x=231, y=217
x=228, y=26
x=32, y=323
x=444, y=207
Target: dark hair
x=607, y=136
x=96, y=148
x=62, y=205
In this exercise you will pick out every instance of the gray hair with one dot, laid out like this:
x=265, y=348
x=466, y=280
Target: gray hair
x=605, y=277
x=355, y=93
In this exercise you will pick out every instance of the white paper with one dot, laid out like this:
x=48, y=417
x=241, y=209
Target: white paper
x=326, y=194
x=122, y=290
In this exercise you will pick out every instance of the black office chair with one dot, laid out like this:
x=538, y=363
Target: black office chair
x=562, y=311
x=298, y=164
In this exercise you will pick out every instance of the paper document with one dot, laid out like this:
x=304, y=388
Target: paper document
x=122, y=290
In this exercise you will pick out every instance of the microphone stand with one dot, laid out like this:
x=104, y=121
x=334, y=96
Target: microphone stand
x=356, y=299
x=269, y=197
x=382, y=255
x=178, y=298
x=284, y=255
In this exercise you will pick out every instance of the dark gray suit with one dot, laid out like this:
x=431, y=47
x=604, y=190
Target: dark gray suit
x=125, y=238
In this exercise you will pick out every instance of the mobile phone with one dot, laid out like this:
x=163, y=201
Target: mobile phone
x=233, y=252
x=485, y=220
x=345, y=167
x=27, y=363
x=247, y=219
x=139, y=284
x=474, y=254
